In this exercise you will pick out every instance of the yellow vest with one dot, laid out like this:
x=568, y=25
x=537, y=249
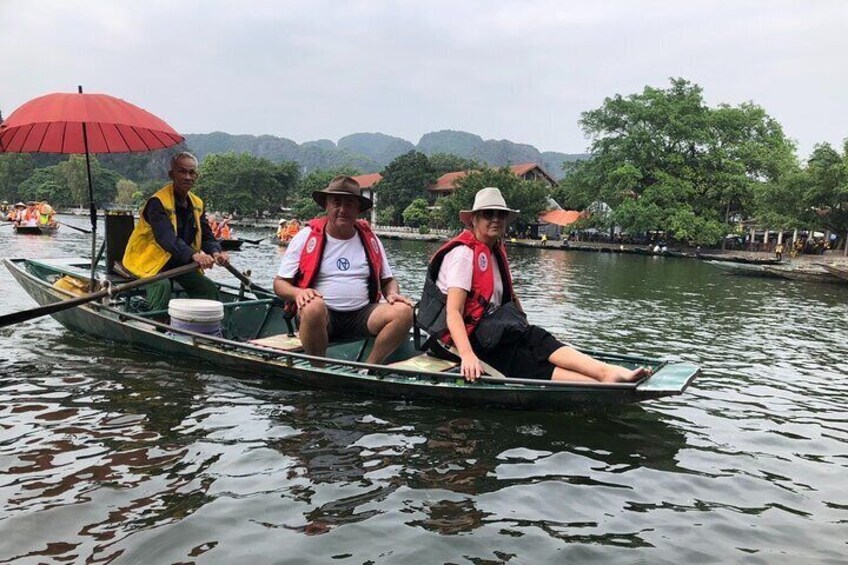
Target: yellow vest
x=143, y=256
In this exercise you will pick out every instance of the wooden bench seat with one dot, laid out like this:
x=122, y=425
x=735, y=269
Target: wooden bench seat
x=425, y=362
x=283, y=342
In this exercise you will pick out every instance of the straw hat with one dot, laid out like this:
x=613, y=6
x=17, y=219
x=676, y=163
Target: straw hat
x=345, y=186
x=489, y=198
x=20, y=205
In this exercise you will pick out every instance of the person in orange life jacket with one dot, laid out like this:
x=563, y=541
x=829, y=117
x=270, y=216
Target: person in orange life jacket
x=474, y=266
x=176, y=246
x=223, y=230
x=335, y=272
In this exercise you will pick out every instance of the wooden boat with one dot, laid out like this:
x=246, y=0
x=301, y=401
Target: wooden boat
x=36, y=230
x=231, y=244
x=813, y=273
x=841, y=272
x=742, y=269
x=731, y=258
x=256, y=342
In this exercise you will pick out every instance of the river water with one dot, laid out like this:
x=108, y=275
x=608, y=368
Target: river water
x=109, y=455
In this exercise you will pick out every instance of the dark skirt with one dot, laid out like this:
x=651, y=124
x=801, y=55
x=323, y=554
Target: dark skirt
x=525, y=357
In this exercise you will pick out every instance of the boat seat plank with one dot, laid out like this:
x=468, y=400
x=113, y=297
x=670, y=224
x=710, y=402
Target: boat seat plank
x=283, y=342
x=425, y=362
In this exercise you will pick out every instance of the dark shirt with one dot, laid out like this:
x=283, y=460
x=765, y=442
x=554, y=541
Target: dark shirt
x=178, y=244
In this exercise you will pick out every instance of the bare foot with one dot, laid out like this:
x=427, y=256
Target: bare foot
x=618, y=374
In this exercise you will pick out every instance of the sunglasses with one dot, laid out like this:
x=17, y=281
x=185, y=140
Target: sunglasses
x=492, y=214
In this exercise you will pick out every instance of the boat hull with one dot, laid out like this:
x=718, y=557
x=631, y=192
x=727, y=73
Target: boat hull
x=840, y=272
x=36, y=230
x=107, y=323
x=805, y=275
x=231, y=244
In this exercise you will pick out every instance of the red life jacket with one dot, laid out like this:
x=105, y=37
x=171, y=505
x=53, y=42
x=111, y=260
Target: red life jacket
x=313, y=252
x=482, y=278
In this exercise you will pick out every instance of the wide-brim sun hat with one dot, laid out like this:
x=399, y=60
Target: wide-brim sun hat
x=344, y=186
x=489, y=198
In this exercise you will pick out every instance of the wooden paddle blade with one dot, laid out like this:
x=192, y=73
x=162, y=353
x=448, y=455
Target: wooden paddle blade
x=18, y=317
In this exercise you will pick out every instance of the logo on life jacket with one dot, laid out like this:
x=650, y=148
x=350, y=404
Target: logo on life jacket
x=374, y=245
x=310, y=245
x=343, y=264
x=482, y=262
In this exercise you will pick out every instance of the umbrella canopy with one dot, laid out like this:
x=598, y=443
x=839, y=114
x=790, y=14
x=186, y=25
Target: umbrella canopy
x=84, y=123
x=54, y=124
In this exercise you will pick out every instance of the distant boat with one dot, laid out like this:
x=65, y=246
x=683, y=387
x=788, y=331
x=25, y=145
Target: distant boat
x=36, y=230
x=743, y=269
x=841, y=272
x=231, y=244
x=813, y=273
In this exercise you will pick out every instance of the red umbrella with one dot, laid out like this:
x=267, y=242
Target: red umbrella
x=54, y=124
x=84, y=123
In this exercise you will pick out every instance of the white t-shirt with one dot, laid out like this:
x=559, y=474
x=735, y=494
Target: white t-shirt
x=343, y=276
x=458, y=269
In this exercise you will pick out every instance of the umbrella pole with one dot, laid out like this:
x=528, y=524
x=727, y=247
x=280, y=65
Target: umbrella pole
x=92, y=209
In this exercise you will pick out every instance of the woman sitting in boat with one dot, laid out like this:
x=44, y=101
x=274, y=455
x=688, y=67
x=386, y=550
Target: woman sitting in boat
x=473, y=273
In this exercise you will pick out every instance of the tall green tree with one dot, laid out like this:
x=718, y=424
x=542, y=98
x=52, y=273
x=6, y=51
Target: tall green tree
x=66, y=184
x=404, y=179
x=244, y=184
x=814, y=197
x=530, y=197
x=15, y=168
x=663, y=159
x=416, y=214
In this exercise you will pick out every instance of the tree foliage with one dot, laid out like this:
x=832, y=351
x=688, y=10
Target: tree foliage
x=441, y=163
x=66, y=184
x=663, y=159
x=530, y=197
x=416, y=214
x=243, y=184
x=815, y=196
x=405, y=179
x=15, y=168
x=302, y=204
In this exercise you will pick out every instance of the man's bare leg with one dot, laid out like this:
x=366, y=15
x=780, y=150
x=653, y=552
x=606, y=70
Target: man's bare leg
x=312, y=328
x=391, y=324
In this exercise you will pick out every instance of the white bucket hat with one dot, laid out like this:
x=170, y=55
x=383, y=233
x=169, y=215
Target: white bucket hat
x=489, y=198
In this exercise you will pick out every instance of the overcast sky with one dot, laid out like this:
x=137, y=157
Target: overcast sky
x=521, y=70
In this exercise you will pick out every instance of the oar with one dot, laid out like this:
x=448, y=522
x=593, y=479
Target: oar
x=83, y=230
x=245, y=280
x=253, y=241
x=19, y=317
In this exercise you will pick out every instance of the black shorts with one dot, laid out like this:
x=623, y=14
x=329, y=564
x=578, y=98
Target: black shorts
x=349, y=325
x=524, y=358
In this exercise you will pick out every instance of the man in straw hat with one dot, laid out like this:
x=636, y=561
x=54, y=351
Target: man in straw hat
x=335, y=273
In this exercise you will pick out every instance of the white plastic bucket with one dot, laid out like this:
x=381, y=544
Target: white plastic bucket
x=196, y=315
